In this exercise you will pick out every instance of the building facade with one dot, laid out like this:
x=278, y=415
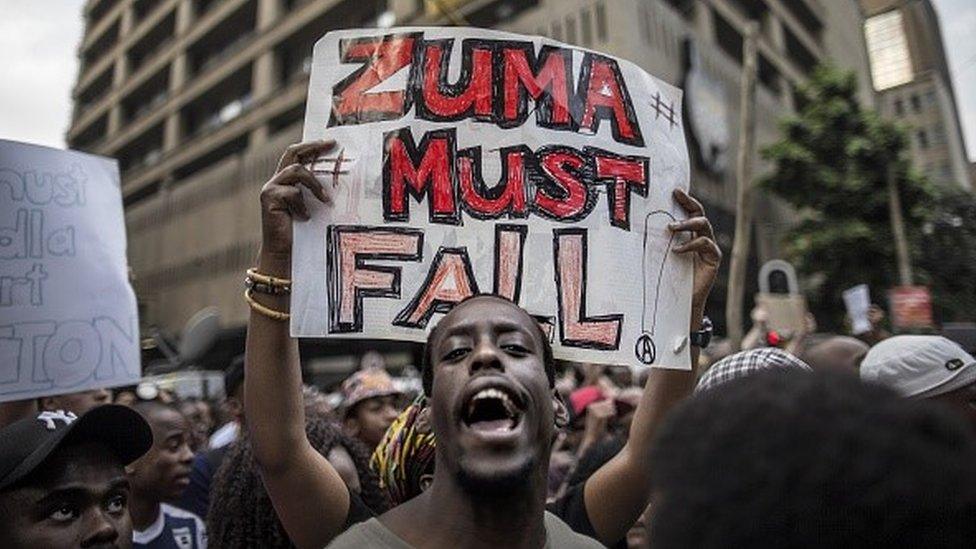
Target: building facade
x=911, y=76
x=197, y=99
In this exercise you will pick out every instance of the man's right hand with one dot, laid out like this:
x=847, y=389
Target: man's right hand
x=282, y=202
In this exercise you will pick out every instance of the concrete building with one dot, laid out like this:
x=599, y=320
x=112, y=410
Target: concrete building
x=197, y=98
x=911, y=76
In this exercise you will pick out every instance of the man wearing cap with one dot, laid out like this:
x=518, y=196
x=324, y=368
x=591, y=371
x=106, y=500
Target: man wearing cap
x=369, y=405
x=925, y=367
x=62, y=478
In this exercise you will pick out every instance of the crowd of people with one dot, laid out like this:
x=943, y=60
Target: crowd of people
x=824, y=440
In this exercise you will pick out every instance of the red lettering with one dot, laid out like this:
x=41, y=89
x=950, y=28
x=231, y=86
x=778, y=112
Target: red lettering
x=425, y=171
x=552, y=79
x=556, y=164
x=449, y=281
x=509, y=248
x=575, y=329
x=350, y=280
x=473, y=100
x=605, y=95
x=382, y=57
x=625, y=175
x=507, y=196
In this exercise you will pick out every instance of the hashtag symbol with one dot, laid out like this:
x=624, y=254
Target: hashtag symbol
x=664, y=109
x=336, y=169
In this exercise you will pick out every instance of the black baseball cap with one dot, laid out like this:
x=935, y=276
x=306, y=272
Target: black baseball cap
x=26, y=443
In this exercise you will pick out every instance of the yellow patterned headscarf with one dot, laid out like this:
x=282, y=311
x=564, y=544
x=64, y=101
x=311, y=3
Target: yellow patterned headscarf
x=404, y=459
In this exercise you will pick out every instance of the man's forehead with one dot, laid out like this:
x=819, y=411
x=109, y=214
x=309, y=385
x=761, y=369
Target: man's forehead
x=75, y=464
x=487, y=310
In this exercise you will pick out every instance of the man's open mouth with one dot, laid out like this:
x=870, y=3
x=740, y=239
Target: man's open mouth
x=493, y=409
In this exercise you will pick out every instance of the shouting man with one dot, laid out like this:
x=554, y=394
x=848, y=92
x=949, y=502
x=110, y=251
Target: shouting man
x=493, y=408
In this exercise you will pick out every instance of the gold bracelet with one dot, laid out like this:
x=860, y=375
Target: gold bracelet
x=262, y=310
x=269, y=280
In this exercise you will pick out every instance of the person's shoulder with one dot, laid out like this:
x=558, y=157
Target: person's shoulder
x=176, y=517
x=371, y=533
x=559, y=534
x=185, y=526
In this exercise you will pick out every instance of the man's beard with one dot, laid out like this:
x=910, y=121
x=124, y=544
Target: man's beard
x=500, y=484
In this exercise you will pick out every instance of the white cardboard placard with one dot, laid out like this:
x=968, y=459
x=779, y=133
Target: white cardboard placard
x=593, y=148
x=68, y=319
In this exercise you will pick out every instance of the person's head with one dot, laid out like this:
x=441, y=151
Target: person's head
x=490, y=378
x=747, y=363
x=838, y=353
x=797, y=459
x=925, y=367
x=404, y=459
x=233, y=405
x=197, y=413
x=241, y=513
x=164, y=471
x=370, y=404
x=77, y=403
x=62, y=482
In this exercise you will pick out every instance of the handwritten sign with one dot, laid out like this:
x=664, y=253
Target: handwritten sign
x=67, y=313
x=473, y=161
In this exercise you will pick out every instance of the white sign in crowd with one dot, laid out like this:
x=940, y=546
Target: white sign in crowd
x=67, y=312
x=480, y=161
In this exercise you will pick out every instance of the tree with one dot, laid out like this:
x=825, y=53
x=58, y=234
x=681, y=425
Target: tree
x=832, y=165
x=948, y=256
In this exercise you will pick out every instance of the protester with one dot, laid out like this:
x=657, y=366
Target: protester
x=925, y=367
x=404, y=459
x=196, y=496
x=369, y=405
x=788, y=459
x=746, y=363
x=242, y=514
x=233, y=405
x=197, y=412
x=158, y=478
x=77, y=403
x=62, y=478
x=488, y=485
x=840, y=353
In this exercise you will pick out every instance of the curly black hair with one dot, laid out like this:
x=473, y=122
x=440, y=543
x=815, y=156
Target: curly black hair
x=799, y=459
x=241, y=513
x=427, y=369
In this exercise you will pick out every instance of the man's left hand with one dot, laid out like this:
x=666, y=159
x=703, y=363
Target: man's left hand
x=702, y=247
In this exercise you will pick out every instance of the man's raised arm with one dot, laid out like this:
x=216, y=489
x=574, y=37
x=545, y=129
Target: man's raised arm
x=618, y=492
x=308, y=494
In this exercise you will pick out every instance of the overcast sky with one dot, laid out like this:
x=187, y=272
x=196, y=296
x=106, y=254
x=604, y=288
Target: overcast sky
x=39, y=38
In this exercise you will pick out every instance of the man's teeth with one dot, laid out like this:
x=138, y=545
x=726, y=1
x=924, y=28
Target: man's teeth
x=495, y=393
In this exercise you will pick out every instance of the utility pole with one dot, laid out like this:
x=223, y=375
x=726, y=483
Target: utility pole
x=898, y=229
x=743, y=199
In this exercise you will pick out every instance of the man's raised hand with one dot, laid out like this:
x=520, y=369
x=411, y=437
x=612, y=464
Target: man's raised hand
x=281, y=196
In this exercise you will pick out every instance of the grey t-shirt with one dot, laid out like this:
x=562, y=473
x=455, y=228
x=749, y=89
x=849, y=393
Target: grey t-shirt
x=373, y=533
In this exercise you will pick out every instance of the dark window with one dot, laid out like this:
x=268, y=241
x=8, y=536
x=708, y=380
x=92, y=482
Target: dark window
x=899, y=107
x=585, y=22
x=916, y=103
x=923, y=139
x=601, y=22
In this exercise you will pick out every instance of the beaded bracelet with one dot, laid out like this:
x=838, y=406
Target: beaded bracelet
x=262, y=310
x=265, y=284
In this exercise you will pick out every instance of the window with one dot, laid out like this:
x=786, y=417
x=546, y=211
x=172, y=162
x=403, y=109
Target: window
x=891, y=64
x=923, y=139
x=938, y=135
x=570, y=29
x=601, y=22
x=585, y=23
x=916, y=103
x=899, y=107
